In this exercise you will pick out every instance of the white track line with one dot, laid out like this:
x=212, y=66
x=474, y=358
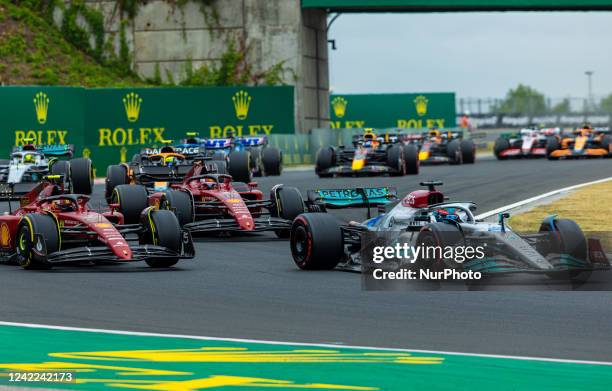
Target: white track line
x=333, y=346
x=537, y=198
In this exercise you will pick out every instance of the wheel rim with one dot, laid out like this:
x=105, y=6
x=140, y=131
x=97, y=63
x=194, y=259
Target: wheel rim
x=300, y=243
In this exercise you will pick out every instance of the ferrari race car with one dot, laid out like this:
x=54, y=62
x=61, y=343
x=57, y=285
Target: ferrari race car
x=158, y=167
x=425, y=218
x=30, y=163
x=213, y=203
x=370, y=155
x=245, y=156
x=53, y=227
x=584, y=142
x=436, y=146
x=529, y=142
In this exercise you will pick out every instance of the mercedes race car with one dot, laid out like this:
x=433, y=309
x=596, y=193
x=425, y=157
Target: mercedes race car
x=245, y=156
x=584, y=142
x=53, y=227
x=426, y=218
x=158, y=167
x=214, y=203
x=529, y=142
x=437, y=147
x=370, y=155
x=30, y=163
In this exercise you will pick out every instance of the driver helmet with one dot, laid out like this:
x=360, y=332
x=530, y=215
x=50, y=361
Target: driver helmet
x=448, y=214
x=434, y=131
x=28, y=158
x=170, y=160
x=369, y=135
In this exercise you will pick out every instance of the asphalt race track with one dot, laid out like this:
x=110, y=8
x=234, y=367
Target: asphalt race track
x=248, y=287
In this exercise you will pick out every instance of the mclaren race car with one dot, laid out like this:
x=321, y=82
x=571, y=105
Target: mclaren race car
x=370, y=155
x=529, y=142
x=30, y=163
x=54, y=227
x=158, y=167
x=214, y=203
x=437, y=147
x=584, y=142
x=426, y=218
x=245, y=156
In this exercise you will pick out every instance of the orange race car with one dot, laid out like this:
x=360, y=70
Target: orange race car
x=583, y=142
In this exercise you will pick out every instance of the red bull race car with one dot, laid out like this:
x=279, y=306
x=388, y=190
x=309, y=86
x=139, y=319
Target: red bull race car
x=214, y=203
x=52, y=227
x=370, y=155
x=439, y=147
x=529, y=142
x=584, y=142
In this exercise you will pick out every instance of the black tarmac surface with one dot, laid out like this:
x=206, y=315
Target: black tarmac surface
x=248, y=287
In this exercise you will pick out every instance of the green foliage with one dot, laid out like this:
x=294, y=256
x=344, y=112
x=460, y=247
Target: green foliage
x=79, y=36
x=606, y=104
x=562, y=107
x=523, y=99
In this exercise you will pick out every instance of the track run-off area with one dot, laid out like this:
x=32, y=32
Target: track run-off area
x=247, y=287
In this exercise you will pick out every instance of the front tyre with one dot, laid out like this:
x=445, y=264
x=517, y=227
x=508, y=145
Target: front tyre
x=288, y=204
x=132, y=200
x=411, y=158
x=316, y=241
x=501, y=145
x=115, y=175
x=33, y=229
x=240, y=166
x=272, y=161
x=454, y=152
x=165, y=231
x=468, y=151
x=324, y=161
x=180, y=203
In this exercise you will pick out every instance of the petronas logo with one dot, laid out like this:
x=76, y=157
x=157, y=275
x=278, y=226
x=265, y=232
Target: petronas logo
x=339, y=105
x=420, y=102
x=41, y=104
x=132, y=103
x=242, y=101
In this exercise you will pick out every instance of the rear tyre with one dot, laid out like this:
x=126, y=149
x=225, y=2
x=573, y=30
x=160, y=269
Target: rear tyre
x=272, y=161
x=501, y=145
x=442, y=235
x=256, y=163
x=454, y=152
x=288, y=205
x=221, y=166
x=552, y=144
x=33, y=228
x=316, y=241
x=325, y=160
x=115, y=175
x=240, y=166
x=566, y=239
x=132, y=200
x=606, y=142
x=180, y=203
x=468, y=151
x=61, y=167
x=165, y=232
x=411, y=158
x=395, y=160
x=81, y=176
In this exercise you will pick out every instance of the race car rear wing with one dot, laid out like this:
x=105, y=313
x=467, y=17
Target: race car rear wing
x=358, y=197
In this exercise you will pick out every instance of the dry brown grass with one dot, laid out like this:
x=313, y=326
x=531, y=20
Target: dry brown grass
x=590, y=207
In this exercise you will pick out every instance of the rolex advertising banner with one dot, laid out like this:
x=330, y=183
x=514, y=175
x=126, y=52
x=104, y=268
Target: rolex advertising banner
x=41, y=115
x=421, y=110
x=110, y=125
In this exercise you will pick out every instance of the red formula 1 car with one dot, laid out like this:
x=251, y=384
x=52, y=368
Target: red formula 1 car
x=213, y=203
x=52, y=227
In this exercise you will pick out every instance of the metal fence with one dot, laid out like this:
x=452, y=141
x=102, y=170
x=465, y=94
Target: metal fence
x=486, y=106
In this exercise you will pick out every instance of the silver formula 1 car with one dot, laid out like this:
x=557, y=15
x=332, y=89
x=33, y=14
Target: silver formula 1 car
x=426, y=218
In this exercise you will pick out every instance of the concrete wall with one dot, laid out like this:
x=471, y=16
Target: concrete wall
x=165, y=35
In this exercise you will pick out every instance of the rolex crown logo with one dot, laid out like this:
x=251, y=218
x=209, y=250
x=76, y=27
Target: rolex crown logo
x=339, y=105
x=41, y=104
x=242, y=101
x=420, y=102
x=132, y=103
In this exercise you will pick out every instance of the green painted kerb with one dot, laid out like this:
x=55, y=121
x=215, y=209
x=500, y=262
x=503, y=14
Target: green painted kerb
x=102, y=360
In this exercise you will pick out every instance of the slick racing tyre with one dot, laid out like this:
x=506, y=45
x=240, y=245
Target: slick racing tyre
x=81, y=176
x=61, y=167
x=454, y=152
x=316, y=241
x=221, y=166
x=256, y=163
x=552, y=144
x=164, y=230
x=606, y=142
x=180, y=203
x=32, y=229
x=442, y=235
x=132, y=200
x=566, y=240
x=325, y=160
x=411, y=158
x=501, y=145
x=240, y=166
x=468, y=151
x=395, y=160
x=115, y=175
x=288, y=204
x=272, y=160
